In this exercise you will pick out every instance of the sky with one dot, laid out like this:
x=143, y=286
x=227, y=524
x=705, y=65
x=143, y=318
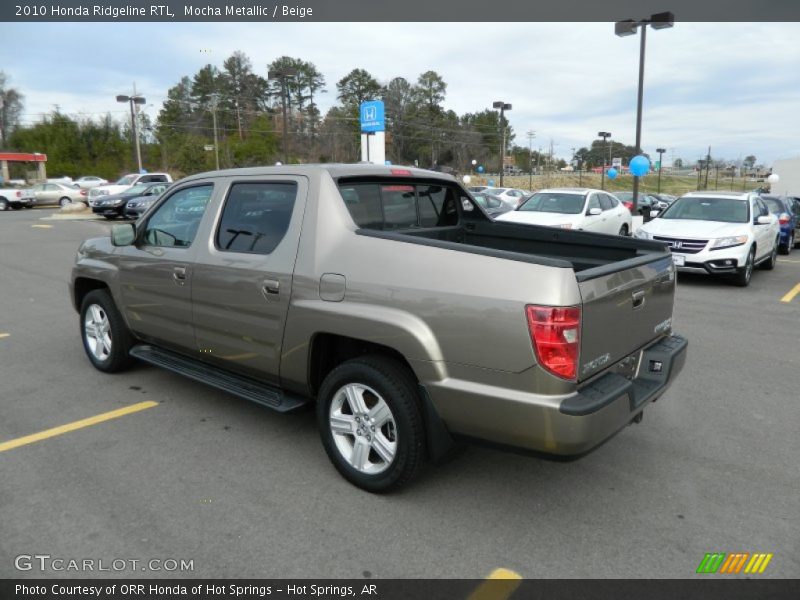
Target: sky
x=732, y=86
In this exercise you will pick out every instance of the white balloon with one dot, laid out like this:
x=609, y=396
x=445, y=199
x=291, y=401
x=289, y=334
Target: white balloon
x=774, y=178
x=466, y=179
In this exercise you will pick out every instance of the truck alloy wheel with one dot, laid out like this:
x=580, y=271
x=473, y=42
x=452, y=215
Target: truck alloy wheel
x=370, y=423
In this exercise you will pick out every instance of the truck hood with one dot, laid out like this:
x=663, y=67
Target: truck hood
x=691, y=228
x=110, y=188
x=530, y=217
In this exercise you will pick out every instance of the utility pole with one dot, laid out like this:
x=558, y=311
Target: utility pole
x=660, y=166
x=134, y=99
x=503, y=106
x=605, y=135
x=213, y=106
x=708, y=167
x=531, y=134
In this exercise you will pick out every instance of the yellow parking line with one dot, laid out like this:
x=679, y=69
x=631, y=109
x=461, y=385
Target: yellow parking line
x=42, y=226
x=788, y=260
x=48, y=433
x=4, y=335
x=499, y=585
x=792, y=293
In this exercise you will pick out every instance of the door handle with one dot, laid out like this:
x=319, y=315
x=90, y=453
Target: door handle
x=179, y=275
x=638, y=299
x=271, y=286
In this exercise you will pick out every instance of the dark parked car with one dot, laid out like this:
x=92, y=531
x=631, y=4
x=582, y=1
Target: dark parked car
x=492, y=205
x=114, y=205
x=137, y=205
x=788, y=217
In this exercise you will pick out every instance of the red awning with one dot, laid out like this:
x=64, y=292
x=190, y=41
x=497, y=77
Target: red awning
x=23, y=157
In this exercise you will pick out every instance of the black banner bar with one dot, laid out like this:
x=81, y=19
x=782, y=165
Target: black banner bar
x=402, y=589
x=407, y=10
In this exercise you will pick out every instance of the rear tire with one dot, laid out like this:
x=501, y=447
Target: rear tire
x=3, y=204
x=770, y=263
x=370, y=423
x=105, y=336
x=745, y=273
x=623, y=231
x=789, y=245
x=64, y=201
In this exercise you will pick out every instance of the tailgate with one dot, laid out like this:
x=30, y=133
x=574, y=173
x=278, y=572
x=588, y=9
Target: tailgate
x=623, y=311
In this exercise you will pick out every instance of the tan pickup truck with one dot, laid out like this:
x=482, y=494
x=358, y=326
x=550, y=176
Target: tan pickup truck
x=387, y=297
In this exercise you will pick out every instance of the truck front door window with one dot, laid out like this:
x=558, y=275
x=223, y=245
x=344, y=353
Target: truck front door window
x=175, y=222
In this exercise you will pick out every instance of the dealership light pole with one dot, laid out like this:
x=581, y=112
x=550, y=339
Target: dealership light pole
x=605, y=135
x=134, y=99
x=503, y=106
x=531, y=134
x=625, y=28
x=282, y=75
x=660, y=165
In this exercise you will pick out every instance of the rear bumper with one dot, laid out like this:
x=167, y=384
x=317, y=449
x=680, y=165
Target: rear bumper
x=568, y=425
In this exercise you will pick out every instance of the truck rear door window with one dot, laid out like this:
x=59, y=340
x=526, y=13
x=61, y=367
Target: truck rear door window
x=392, y=206
x=256, y=217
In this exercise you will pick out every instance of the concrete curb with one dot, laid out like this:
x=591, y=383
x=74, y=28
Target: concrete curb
x=72, y=217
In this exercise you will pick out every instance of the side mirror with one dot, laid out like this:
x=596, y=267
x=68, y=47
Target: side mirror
x=123, y=235
x=763, y=220
x=593, y=212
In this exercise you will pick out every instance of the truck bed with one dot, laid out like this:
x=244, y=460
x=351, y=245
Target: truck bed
x=588, y=254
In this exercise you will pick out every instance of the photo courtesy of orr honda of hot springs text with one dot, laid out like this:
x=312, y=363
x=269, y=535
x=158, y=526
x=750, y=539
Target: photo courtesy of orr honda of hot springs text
x=373, y=293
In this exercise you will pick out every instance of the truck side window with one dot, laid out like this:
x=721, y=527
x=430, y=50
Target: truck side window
x=175, y=222
x=256, y=216
x=391, y=206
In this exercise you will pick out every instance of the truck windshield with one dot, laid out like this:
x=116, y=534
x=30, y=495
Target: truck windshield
x=565, y=204
x=723, y=210
x=127, y=180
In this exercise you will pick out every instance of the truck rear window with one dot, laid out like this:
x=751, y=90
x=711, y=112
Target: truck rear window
x=392, y=205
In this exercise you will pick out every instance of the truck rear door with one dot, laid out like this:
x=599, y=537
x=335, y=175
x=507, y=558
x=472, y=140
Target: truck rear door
x=623, y=310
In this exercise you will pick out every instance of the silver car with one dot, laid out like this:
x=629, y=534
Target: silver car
x=59, y=194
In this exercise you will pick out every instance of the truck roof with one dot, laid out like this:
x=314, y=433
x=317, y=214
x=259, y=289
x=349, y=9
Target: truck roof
x=335, y=169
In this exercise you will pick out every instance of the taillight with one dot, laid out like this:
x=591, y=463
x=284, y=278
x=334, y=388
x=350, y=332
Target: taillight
x=19, y=194
x=555, y=332
x=784, y=218
x=628, y=205
x=83, y=192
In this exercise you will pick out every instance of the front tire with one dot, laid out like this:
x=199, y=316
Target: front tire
x=4, y=204
x=745, y=273
x=370, y=423
x=105, y=336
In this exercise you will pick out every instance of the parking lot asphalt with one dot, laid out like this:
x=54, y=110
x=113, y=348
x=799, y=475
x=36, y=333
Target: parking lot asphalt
x=245, y=492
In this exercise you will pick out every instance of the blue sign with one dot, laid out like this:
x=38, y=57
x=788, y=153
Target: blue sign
x=372, y=116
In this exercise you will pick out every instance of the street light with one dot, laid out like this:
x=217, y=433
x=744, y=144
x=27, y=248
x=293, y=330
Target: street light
x=660, y=166
x=628, y=27
x=135, y=99
x=282, y=75
x=503, y=108
x=605, y=135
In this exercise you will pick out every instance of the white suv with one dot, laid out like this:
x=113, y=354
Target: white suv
x=721, y=233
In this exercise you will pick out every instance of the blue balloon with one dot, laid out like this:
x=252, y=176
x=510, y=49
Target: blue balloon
x=639, y=165
x=612, y=173
x=491, y=183
x=480, y=169
x=388, y=163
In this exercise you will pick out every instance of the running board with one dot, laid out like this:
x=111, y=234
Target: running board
x=238, y=385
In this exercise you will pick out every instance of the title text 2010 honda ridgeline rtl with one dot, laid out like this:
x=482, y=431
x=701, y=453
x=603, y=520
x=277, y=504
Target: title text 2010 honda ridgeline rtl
x=391, y=300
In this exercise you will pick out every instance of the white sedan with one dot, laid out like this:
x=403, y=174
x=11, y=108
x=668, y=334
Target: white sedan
x=513, y=197
x=573, y=208
x=89, y=181
x=719, y=233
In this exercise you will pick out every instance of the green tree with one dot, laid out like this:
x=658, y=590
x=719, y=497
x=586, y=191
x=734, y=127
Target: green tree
x=11, y=104
x=357, y=87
